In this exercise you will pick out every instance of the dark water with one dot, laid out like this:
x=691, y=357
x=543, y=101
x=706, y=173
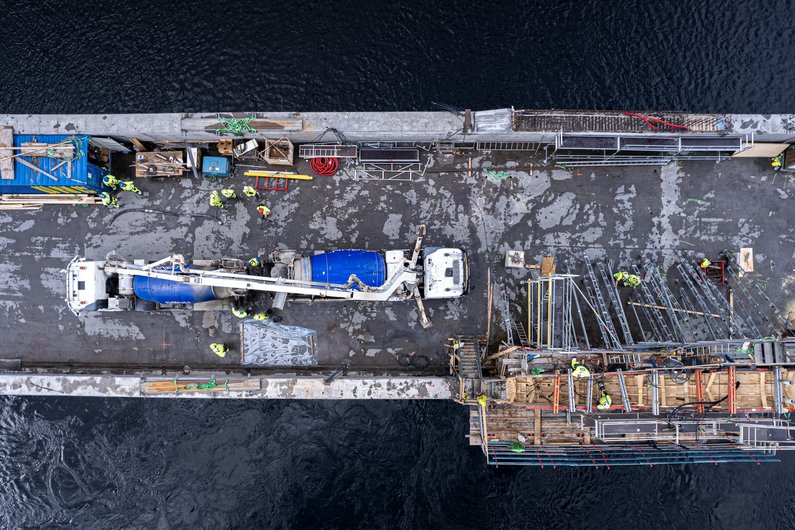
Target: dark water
x=178, y=464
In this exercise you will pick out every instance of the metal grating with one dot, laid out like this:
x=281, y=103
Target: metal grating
x=506, y=146
x=308, y=151
x=613, y=122
x=501, y=454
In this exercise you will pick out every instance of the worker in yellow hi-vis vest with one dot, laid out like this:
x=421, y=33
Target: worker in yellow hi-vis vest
x=127, y=185
x=219, y=349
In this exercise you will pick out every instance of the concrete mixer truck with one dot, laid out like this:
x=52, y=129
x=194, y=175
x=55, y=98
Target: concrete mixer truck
x=118, y=284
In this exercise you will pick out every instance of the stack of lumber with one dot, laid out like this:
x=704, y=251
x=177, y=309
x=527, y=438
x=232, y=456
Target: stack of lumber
x=34, y=201
x=191, y=385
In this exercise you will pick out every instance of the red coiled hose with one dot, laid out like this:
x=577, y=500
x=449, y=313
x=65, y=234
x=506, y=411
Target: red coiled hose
x=324, y=167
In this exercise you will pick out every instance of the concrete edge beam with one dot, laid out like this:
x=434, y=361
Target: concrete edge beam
x=271, y=387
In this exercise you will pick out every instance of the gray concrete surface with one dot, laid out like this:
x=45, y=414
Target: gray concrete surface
x=616, y=212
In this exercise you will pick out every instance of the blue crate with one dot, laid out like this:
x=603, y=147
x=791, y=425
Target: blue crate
x=216, y=166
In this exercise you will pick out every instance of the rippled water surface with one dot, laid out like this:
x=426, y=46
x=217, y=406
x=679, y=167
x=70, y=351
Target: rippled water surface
x=179, y=464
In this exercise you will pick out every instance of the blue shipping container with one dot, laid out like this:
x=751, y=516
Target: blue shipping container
x=85, y=177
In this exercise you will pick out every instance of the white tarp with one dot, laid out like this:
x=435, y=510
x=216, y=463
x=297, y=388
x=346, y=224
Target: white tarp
x=266, y=343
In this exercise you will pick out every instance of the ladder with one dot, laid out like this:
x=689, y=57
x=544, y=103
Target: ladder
x=572, y=397
x=653, y=316
x=655, y=392
x=623, y=387
x=690, y=284
x=602, y=328
x=271, y=183
x=607, y=320
x=666, y=298
x=735, y=319
x=469, y=363
x=506, y=317
x=629, y=359
x=518, y=328
x=612, y=293
x=701, y=281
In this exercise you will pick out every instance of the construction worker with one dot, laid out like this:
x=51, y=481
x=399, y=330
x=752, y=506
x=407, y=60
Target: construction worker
x=483, y=400
x=256, y=262
x=219, y=349
x=626, y=279
x=110, y=181
x=127, y=185
x=263, y=211
x=457, y=344
x=260, y=316
x=579, y=369
x=239, y=312
x=215, y=199
x=704, y=264
x=250, y=191
x=228, y=193
x=604, y=399
x=777, y=162
x=108, y=200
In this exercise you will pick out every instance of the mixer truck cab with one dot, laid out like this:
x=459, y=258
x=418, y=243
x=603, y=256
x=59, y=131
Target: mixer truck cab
x=446, y=273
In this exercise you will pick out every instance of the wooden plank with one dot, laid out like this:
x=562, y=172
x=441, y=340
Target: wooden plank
x=730, y=372
x=556, y=394
x=746, y=260
x=699, y=391
x=168, y=386
x=6, y=163
x=708, y=389
x=43, y=198
x=35, y=168
x=639, y=379
x=662, y=391
x=46, y=150
x=137, y=144
x=665, y=308
x=20, y=206
x=537, y=427
x=510, y=389
x=547, y=266
x=762, y=389
x=500, y=353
